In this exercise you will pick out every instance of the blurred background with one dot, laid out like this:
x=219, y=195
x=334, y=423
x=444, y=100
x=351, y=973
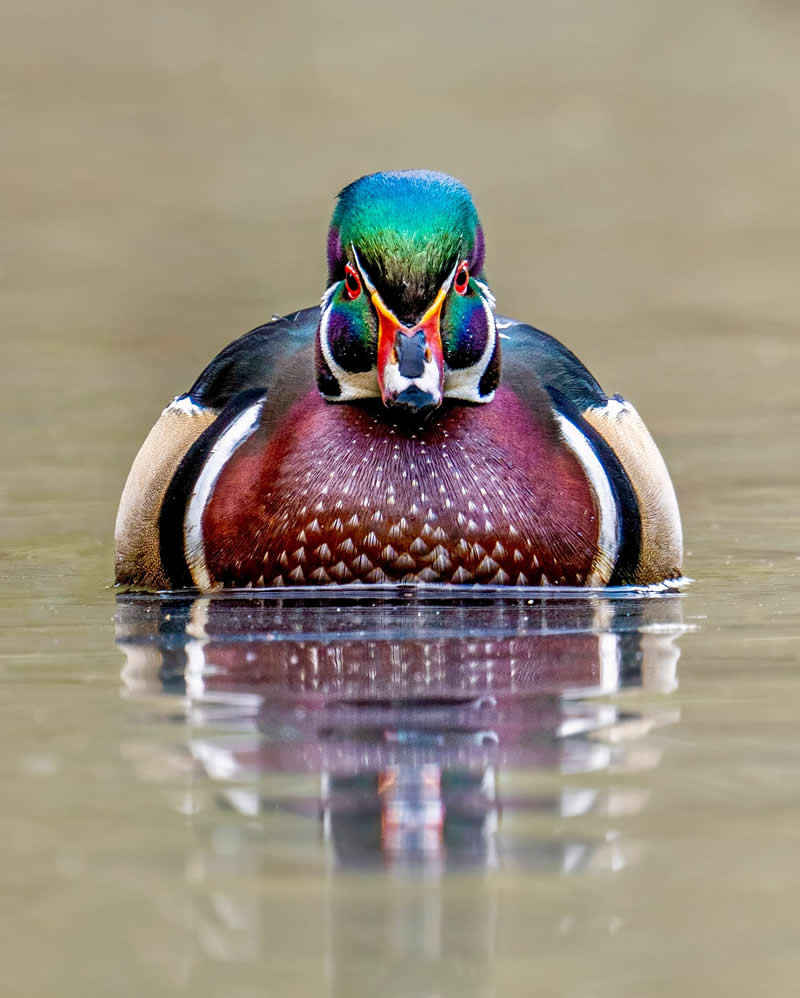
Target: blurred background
x=168, y=172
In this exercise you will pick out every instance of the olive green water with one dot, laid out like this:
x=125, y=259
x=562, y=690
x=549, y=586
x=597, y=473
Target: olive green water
x=167, y=176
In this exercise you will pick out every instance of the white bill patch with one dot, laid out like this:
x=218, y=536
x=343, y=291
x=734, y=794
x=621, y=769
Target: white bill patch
x=394, y=382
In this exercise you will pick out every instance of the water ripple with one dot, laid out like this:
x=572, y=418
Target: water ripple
x=419, y=729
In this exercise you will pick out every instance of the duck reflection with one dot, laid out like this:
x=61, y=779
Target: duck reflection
x=421, y=729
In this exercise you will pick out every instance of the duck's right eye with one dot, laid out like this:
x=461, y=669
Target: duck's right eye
x=352, y=282
x=461, y=282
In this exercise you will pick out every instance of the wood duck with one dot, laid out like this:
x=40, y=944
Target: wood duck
x=400, y=432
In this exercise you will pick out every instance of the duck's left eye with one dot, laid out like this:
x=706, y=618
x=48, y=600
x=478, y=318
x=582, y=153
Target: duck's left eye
x=461, y=281
x=352, y=282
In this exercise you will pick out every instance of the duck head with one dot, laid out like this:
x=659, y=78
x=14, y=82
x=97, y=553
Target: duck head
x=407, y=315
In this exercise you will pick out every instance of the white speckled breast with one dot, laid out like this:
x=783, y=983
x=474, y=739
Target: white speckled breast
x=338, y=495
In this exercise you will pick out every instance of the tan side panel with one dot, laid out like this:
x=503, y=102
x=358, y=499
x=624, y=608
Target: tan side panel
x=138, y=561
x=620, y=425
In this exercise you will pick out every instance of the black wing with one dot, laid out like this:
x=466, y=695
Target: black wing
x=524, y=348
x=257, y=359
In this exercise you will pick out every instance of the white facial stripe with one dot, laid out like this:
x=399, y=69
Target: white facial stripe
x=486, y=294
x=328, y=294
x=451, y=276
x=363, y=384
x=608, y=530
x=235, y=435
x=362, y=271
x=463, y=382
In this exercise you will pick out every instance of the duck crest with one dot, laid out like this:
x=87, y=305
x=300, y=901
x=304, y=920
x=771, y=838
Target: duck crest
x=408, y=228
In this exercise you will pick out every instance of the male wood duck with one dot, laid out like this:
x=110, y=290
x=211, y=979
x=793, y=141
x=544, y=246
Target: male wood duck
x=400, y=432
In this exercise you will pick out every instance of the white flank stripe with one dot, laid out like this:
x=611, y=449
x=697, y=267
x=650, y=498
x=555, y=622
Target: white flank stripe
x=239, y=430
x=608, y=529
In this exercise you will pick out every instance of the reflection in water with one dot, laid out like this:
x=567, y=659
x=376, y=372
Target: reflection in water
x=413, y=731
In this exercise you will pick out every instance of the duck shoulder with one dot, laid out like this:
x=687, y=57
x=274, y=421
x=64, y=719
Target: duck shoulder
x=652, y=547
x=255, y=360
x=258, y=360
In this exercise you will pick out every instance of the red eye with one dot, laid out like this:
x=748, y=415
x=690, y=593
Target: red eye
x=352, y=282
x=462, y=279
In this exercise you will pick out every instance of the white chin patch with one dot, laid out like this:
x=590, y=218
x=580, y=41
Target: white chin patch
x=394, y=382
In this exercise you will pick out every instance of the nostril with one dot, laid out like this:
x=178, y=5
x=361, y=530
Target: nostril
x=428, y=355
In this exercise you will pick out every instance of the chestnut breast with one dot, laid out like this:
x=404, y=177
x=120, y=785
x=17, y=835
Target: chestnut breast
x=340, y=493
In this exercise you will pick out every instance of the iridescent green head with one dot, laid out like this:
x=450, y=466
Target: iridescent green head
x=407, y=315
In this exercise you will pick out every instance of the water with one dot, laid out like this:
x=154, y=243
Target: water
x=586, y=795
x=395, y=719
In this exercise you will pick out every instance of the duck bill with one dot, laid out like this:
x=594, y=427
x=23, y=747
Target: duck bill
x=410, y=359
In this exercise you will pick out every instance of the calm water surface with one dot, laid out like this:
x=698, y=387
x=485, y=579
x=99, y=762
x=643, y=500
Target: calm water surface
x=411, y=795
